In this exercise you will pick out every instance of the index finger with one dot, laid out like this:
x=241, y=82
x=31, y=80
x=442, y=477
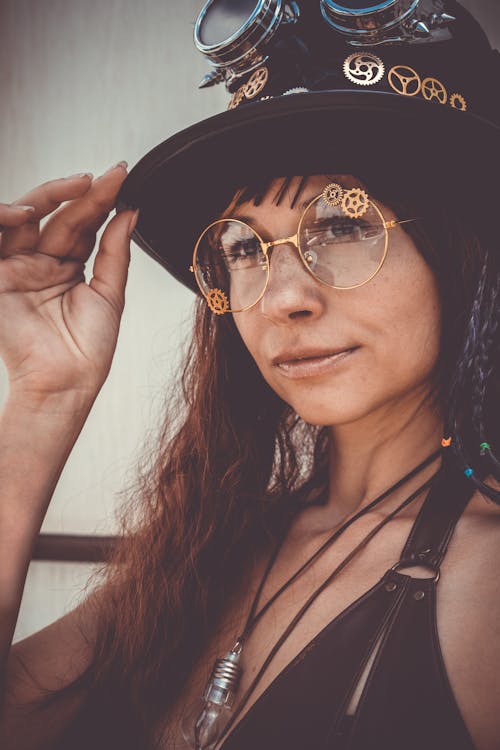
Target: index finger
x=44, y=198
x=48, y=196
x=13, y=216
x=71, y=231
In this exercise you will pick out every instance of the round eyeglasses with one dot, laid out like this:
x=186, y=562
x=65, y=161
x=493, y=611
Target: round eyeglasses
x=342, y=240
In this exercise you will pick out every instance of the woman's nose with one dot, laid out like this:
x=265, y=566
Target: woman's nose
x=292, y=291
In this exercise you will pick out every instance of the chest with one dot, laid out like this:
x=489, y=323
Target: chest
x=466, y=619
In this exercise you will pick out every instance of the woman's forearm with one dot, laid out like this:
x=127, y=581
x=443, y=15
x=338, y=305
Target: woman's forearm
x=36, y=439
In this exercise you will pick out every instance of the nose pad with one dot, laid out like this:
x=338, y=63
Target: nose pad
x=311, y=258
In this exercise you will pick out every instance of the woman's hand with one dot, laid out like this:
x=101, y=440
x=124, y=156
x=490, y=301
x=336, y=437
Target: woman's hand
x=57, y=333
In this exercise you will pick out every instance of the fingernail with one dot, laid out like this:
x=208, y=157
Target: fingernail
x=133, y=222
x=24, y=208
x=122, y=164
x=79, y=176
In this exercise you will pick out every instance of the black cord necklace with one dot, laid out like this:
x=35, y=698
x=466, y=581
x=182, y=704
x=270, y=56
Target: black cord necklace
x=206, y=722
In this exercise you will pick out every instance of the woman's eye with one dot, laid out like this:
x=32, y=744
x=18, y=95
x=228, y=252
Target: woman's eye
x=241, y=250
x=334, y=230
x=343, y=228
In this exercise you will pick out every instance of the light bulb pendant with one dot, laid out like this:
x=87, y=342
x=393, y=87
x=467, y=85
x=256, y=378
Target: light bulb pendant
x=206, y=719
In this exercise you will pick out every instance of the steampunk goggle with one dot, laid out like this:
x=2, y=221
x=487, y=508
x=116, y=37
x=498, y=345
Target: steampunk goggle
x=237, y=35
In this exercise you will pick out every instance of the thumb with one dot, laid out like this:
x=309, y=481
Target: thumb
x=111, y=263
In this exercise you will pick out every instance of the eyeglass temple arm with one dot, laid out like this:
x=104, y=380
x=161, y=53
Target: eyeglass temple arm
x=394, y=223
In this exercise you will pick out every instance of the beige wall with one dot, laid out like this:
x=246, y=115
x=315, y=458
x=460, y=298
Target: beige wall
x=83, y=85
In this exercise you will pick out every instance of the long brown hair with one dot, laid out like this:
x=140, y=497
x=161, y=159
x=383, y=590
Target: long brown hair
x=230, y=463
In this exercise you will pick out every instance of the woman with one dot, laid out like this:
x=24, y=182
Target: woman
x=339, y=419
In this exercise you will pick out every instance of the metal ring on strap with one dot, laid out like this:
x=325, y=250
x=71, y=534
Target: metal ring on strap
x=417, y=564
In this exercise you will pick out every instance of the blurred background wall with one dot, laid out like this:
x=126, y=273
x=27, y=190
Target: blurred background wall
x=82, y=86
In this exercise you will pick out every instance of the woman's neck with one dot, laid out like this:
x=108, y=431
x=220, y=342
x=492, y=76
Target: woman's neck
x=368, y=456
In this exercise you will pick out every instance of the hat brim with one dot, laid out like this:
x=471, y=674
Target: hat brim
x=184, y=183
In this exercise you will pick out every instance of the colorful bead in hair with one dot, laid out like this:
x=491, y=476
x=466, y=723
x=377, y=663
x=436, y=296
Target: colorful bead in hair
x=484, y=448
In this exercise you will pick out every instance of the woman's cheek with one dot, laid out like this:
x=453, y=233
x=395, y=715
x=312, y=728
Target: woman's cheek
x=414, y=323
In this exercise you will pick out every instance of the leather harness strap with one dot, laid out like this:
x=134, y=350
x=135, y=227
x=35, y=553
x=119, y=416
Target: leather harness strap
x=436, y=520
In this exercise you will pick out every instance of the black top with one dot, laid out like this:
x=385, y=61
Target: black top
x=407, y=701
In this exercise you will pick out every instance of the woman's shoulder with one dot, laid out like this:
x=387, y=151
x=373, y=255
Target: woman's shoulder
x=483, y=513
x=478, y=530
x=482, y=507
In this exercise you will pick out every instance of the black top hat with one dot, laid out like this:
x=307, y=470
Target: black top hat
x=406, y=86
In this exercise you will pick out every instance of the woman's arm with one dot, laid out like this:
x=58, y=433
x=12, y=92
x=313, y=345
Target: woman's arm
x=46, y=661
x=57, y=339
x=34, y=446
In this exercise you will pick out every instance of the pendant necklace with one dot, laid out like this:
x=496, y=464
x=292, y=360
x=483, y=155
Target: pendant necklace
x=209, y=718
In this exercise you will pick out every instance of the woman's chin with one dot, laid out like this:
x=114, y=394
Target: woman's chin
x=326, y=413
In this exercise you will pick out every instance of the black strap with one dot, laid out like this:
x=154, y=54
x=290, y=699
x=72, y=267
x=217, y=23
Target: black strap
x=437, y=518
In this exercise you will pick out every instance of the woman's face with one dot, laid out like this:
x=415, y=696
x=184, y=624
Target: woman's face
x=338, y=355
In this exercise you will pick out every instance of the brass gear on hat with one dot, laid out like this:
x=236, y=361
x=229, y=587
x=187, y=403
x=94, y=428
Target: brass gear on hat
x=364, y=68
x=332, y=194
x=457, y=101
x=217, y=301
x=404, y=80
x=355, y=203
x=432, y=88
x=237, y=98
x=256, y=83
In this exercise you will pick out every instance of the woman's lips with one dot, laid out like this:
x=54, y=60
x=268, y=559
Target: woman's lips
x=311, y=366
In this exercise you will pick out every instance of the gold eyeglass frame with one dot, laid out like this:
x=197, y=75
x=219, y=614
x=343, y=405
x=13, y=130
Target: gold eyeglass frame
x=293, y=240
